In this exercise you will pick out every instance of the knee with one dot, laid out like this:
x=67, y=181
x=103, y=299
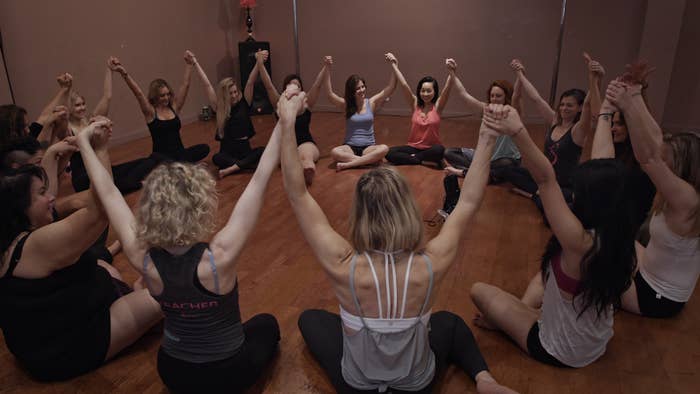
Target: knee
x=382, y=149
x=337, y=153
x=479, y=292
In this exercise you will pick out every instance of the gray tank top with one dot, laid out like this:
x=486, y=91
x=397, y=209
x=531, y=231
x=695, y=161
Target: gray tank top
x=389, y=351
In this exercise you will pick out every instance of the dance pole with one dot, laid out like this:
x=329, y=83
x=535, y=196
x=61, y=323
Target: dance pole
x=555, y=72
x=7, y=73
x=296, y=36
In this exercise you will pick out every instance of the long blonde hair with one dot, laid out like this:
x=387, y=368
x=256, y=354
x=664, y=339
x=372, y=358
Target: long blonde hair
x=685, y=148
x=384, y=215
x=177, y=206
x=223, y=105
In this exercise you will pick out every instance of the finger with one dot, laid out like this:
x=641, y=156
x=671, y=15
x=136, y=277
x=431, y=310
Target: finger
x=587, y=57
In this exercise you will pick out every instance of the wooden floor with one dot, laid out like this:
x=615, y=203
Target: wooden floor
x=278, y=274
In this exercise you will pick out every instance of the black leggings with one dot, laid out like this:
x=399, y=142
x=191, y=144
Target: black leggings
x=127, y=176
x=192, y=154
x=231, y=375
x=249, y=162
x=409, y=155
x=500, y=168
x=652, y=304
x=450, y=339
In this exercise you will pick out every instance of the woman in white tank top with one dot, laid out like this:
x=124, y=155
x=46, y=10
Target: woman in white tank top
x=385, y=280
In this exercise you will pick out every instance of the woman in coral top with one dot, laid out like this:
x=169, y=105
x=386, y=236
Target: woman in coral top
x=424, y=144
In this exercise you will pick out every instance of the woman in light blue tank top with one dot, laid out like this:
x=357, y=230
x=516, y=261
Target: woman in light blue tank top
x=359, y=147
x=387, y=339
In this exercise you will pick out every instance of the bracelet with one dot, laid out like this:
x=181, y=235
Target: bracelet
x=606, y=114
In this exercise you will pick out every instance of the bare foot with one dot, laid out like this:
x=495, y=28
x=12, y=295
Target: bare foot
x=480, y=321
x=340, y=166
x=309, y=173
x=521, y=192
x=115, y=248
x=449, y=170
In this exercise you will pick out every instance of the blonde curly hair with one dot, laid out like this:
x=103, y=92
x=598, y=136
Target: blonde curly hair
x=177, y=206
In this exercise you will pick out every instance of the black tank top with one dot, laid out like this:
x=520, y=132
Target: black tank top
x=302, y=127
x=200, y=326
x=165, y=135
x=564, y=155
x=45, y=318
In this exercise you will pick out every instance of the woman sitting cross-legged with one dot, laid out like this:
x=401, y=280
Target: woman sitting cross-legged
x=206, y=347
x=385, y=279
x=586, y=267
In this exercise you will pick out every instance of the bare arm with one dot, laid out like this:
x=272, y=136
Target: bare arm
x=530, y=91
x=181, y=96
x=102, y=107
x=208, y=88
x=405, y=89
x=603, y=146
x=565, y=226
x=147, y=109
x=272, y=93
x=591, y=105
x=379, y=99
x=442, y=100
x=472, y=103
x=445, y=245
x=120, y=216
x=332, y=97
x=229, y=241
x=250, y=85
x=54, y=161
x=65, y=83
x=517, y=97
x=313, y=93
x=328, y=246
x=681, y=197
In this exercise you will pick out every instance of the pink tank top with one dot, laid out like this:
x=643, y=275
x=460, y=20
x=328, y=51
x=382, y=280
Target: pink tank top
x=425, y=129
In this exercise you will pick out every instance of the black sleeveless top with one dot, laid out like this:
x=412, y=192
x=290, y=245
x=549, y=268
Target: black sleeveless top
x=165, y=135
x=48, y=318
x=564, y=155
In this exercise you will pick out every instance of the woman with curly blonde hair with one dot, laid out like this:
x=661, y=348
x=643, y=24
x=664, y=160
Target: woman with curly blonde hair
x=205, y=347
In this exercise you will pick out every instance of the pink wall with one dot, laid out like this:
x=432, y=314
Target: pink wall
x=43, y=38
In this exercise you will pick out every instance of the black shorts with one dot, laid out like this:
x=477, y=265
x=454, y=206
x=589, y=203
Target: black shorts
x=357, y=150
x=537, y=351
x=653, y=304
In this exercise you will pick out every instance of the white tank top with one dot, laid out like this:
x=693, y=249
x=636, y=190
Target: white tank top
x=671, y=263
x=573, y=340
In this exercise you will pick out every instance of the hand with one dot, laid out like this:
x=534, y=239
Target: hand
x=115, y=65
x=637, y=73
x=328, y=61
x=261, y=56
x=292, y=102
x=594, y=67
x=65, y=80
x=451, y=64
x=503, y=119
x=389, y=57
x=59, y=113
x=98, y=132
x=517, y=65
x=189, y=57
x=621, y=94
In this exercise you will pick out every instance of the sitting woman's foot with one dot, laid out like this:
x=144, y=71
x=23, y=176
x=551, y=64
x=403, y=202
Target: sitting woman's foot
x=309, y=173
x=449, y=170
x=480, y=321
x=228, y=171
x=339, y=166
x=484, y=386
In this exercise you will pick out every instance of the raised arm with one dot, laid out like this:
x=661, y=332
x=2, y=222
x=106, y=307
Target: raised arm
x=146, y=108
x=591, y=104
x=565, y=226
x=332, y=97
x=250, y=84
x=313, y=93
x=54, y=161
x=228, y=243
x=181, y=96
x=328, y=246
x=102, y=107
x=445, y=245
x=403, y=85
x=516, y=99
x=680, y=196
x=445, y=95
x=208, y=88
x=65, y=83
x=60, y=244
x=380, y=98
x=530, y=91
x=603, y=146
x=272, y=93
x=472, y=103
